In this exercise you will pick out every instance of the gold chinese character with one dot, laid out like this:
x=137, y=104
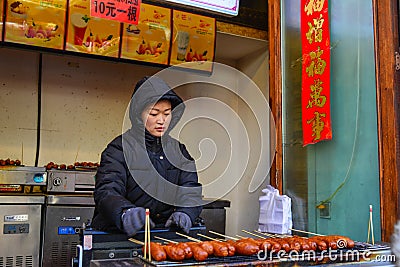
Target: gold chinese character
x=317, y=65
x=317, y=125
x=314, y=6
x=315, y=30
x=316, y=98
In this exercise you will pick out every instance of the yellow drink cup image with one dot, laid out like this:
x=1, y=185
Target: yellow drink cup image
x=79, y=23
x=182, y=43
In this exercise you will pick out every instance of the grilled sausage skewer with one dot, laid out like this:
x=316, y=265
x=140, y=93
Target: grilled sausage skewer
x=197, y=249
x=199, y=253
x=231, y=249
x=206, y=245
x=242, y=247
x=269, y=244
x=162, y=252
x=183, y=246
x=157, y=250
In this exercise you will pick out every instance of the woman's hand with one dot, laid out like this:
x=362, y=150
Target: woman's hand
x=134, y=219
x=180, y=219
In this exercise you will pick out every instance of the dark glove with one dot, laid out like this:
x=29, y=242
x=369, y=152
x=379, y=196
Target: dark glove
x=180, y=219
x=133, y=220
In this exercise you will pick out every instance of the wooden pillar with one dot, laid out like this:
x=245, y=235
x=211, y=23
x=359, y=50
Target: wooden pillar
x=386, y=45
x=275, y=86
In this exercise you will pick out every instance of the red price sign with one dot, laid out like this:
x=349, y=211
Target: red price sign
x=121, y=10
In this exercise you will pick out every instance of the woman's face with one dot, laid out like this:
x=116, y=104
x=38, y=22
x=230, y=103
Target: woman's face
x=156, y=118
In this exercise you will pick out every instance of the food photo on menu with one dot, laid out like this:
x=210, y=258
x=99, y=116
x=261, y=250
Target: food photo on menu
x=36, y=23
x=91, y=35
x=193, y=40
x=149, y=40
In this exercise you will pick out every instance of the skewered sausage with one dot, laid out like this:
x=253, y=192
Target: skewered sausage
x=207, y=246
x=348, y=242
x=199, y=253
x=306, y=243
x=284, y=244
x=272, y=245
x=321, y=244
x=245, y=247
x=330, y=242
x=231, y=249
x=220, y=249
x=157, y=251
x=186, y=248
x=265, y=245
x=174, y=253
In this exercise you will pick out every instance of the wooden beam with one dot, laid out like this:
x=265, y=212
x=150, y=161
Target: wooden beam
x=386, y=44
x=275, y=87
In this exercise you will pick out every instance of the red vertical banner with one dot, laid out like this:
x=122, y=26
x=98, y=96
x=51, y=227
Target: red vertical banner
x=315, y=89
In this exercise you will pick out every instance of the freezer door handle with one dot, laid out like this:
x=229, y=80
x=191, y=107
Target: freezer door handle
x=80, y=255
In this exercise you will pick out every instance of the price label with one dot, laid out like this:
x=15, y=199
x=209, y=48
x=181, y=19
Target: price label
x=126, y=11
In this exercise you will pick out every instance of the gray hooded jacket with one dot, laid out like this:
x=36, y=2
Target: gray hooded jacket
x=140, y=170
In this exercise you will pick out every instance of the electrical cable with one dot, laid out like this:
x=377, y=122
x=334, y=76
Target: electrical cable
x=39, y=90
x=346, y=178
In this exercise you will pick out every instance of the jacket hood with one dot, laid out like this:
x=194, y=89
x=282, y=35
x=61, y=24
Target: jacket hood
x=150, y=90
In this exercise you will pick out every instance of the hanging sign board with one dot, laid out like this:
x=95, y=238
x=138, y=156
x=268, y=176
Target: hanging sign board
x=120, y=10
x=227, y=7
x=316, y=119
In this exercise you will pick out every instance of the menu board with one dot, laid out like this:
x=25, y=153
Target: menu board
x=193, y=40
x=149, y=40
x=91, y=35
x=38, y=23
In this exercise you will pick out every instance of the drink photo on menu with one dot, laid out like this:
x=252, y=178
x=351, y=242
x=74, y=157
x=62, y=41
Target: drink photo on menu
x=193, y=40
x=91, y=35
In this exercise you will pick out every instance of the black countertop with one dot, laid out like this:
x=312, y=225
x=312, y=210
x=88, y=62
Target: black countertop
x=382, y=257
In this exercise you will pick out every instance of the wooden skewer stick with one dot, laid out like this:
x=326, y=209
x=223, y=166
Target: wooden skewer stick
x=305, y=232
x=370, y=226
x=188, y=237
x=264, y=234
x=253, y=234
x=147, y=237
x=226, y=236
x=166, y=240
x=136, y=241
x=208, y=237
x=241, y=237
x=148, y=231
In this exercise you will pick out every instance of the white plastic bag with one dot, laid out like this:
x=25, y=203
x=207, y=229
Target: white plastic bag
x=275, y=212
